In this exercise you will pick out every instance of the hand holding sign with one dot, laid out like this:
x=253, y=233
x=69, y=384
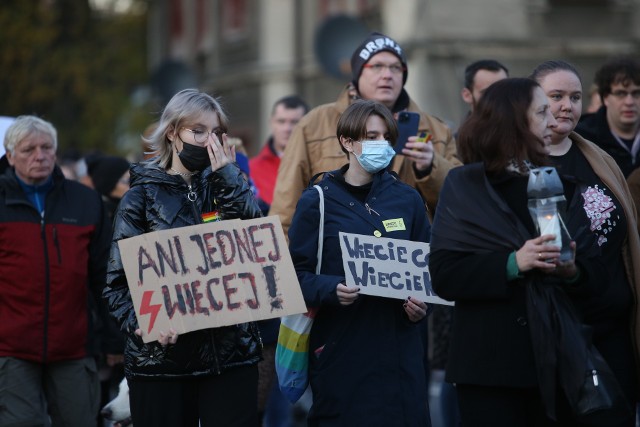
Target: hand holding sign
x=347, y=295
x=209, y=275
x=416, y=310
x=391, y=268
x=164, y=339
x=170, y=338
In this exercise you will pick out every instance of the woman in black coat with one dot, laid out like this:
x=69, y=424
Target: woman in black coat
x=488, y=257
x=601, y=191
x=207, y=376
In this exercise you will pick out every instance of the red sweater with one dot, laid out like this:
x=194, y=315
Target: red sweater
x=264, y=171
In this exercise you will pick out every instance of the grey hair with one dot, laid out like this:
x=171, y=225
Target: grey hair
x=24, y=126
x=183, y=105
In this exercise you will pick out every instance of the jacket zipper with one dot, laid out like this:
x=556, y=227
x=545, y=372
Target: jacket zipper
x=57, y=244
x=192, y=197
x=215, y=352
x=46, y=289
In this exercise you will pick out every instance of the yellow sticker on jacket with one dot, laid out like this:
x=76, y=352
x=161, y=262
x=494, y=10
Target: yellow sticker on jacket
x=394, y=225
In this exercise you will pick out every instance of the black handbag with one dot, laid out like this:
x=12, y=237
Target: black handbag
x=601, y=399
x=568, y=362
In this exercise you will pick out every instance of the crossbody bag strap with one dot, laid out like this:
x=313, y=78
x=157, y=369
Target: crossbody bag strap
x=320, y=228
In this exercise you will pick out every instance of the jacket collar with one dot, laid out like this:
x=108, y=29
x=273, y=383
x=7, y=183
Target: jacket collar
x=149, y=172
x=350, y=94
x=15, y=192
x=381, y=181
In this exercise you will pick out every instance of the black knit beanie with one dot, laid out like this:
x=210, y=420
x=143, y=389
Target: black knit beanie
x=105, y=171
x=374, y=44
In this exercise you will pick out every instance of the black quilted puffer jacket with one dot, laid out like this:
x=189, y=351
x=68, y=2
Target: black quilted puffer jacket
x=159, y=201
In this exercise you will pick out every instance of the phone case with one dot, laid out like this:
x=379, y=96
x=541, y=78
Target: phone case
x=407, y=127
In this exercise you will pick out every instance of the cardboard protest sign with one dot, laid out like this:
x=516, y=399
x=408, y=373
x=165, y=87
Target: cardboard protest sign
x=210, y=275
x=390, y=268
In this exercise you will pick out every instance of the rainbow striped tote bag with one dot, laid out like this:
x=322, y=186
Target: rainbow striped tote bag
x=292, y=354
x=292, y=351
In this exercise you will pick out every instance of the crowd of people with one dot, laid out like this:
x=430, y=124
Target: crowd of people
x=544, y=330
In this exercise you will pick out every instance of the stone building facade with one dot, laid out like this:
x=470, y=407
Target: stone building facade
x=251, y=52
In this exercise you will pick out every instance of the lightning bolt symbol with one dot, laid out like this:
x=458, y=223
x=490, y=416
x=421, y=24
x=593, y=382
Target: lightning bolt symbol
x=147, y=308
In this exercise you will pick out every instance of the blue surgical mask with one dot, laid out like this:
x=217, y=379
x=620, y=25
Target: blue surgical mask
x=376, y=155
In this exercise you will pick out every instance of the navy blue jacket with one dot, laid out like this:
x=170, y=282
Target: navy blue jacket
x=370, y=370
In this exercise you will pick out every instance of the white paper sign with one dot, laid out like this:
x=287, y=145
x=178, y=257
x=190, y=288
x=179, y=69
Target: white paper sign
x=390, y=268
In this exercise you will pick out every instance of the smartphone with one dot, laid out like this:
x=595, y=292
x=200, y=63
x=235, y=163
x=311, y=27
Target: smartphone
x=407, y=127
x=425, y=136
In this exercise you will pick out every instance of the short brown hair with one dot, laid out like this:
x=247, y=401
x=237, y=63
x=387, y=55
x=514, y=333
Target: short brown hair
x=497, y=131
x=353, y=122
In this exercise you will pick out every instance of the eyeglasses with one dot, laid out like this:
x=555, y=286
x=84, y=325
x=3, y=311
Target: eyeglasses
x=622, y=94
x=200, y=136
x=378, y=68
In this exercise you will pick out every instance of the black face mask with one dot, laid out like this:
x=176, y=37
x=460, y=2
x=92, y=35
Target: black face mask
x=194, y=158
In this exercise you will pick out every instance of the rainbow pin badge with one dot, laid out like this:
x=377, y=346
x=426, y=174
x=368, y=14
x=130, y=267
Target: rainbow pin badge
x=210, y=217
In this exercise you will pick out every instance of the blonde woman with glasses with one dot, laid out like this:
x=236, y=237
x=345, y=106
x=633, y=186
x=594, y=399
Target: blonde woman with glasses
x=207, y=376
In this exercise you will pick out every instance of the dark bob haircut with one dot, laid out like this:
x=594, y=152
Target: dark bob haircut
x=353, y=122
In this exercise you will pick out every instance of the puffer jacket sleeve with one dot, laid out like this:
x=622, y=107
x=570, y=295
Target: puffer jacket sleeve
x=232, y=193
x=129, y=221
